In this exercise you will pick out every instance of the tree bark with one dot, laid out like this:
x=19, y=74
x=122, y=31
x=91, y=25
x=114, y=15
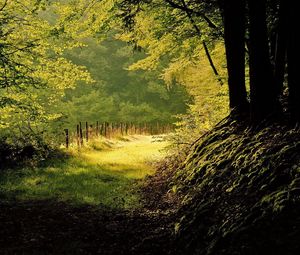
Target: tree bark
x=263, y=96
x=234, y=32
x=281, y=45
x=293, y=64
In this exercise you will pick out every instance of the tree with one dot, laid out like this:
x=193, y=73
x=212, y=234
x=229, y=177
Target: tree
x=33, y=71
x=280, y=46
x=118, y=89
x=293, y=63
x=234, y=33
x=174, y=30
x=262, y=90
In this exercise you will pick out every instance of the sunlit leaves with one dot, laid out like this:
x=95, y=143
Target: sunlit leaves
x=33, y=72
x=83, y=18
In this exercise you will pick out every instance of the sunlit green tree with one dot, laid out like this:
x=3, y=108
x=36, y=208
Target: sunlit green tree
x=33, y=71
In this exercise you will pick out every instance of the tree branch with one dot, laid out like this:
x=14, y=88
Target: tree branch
x=203, y=43
x=187, y=9
x=4, y=5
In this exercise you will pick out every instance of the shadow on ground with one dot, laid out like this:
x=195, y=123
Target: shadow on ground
x=51, y=227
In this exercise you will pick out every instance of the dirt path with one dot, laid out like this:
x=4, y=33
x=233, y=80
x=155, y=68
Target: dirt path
x=49, y=227
x=52, y=226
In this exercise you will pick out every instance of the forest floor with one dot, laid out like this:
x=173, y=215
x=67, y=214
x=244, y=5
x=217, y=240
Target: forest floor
x=90, y=202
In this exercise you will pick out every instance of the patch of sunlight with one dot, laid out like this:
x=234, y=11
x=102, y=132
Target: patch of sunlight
x=32, y=181
x=51, y=170
x=93, y=176
x=89, y=199
x=130, y=157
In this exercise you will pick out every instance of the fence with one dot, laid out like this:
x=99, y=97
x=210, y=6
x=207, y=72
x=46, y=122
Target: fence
x=86, y=132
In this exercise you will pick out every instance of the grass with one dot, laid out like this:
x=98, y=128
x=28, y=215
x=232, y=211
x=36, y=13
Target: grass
x=105, y=173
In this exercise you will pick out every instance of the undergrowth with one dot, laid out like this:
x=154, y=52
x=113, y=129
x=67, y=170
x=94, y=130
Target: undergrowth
x=240, y=190
x=17, y=154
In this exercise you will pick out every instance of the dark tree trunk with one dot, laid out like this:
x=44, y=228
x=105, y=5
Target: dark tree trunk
x=293, y=63
x=234, y=28
x=280, y=50
x=263, y=94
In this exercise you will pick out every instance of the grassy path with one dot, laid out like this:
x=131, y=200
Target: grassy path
x=102, y=174
x=79, y=204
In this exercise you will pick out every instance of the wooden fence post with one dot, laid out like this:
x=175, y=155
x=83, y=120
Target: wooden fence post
x=110, y=130
x=97, y=128
x=78, y=136
x=91, y=129
x=111, y=126
x=67, y=138
x=81, y=134
x=105, y=131
x=121, y=125
x=102, y=129
x=86, y=131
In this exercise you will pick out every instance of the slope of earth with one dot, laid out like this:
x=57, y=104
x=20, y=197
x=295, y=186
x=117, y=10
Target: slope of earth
x=241, y=192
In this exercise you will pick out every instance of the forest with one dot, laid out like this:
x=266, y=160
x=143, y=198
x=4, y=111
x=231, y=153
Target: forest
x=149, y=127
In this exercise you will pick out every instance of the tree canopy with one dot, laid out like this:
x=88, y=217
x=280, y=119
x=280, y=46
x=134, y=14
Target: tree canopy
x=33, y=71
x=256, y=34
x=44, y=55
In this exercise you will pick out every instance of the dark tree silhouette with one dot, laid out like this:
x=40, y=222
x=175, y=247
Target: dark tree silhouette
x=234, y=32
x=293, y=63
x=280, y=45
x=262, y=94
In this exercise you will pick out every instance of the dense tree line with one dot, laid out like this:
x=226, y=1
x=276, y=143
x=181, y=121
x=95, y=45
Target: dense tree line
x=118, y=94
x=261, y=35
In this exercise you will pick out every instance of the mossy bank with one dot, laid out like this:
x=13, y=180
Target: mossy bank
x=240, y=192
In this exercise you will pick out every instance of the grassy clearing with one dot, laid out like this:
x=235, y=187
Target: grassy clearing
x=104, y=173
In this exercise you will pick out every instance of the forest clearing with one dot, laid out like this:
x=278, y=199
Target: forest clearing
x=149, y=127
x=96, y=188
x=103, y=173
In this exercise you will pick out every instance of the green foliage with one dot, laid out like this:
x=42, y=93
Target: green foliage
x=33, y=72
x=173, y=49
x=45, y=68
x=119, y=94
x=173, y=43
x=210, y=100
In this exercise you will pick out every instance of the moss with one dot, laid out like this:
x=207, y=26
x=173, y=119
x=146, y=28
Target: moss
x=236, y=182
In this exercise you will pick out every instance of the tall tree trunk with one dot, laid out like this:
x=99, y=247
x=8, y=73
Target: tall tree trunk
x=293, y=64
x=281, y=44
x=234, y=29
x=263, y=96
